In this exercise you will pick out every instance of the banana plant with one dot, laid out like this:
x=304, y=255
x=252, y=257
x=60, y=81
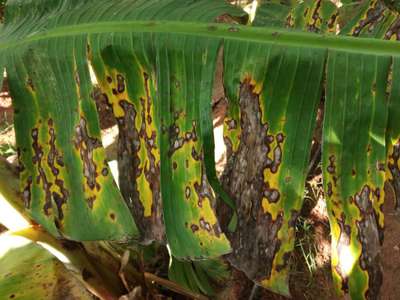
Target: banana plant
x=155, y=62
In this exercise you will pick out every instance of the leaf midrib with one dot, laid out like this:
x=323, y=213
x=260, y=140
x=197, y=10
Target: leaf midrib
x=217, y=30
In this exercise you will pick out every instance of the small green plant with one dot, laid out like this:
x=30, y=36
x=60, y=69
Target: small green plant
x=305, y=242
x=7, y=150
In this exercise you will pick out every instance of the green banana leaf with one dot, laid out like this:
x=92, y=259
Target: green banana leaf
x=155, y=61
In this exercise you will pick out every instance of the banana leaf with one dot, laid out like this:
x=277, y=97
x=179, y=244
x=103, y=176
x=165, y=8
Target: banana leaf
x=27, y=271
x=367, y=18
x=356, y=223
x=155, y=61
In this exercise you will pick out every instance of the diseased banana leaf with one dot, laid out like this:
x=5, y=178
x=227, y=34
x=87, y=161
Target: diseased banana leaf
x=354, y=154
x=273, y=95
x=309, y=15
x=73, y=202
x=155, y=62
x=393, y=4
x=367, y=18
x=27, y=271
x=65, y=179
x=351, y=174
x=393, y=134
x=161, y=133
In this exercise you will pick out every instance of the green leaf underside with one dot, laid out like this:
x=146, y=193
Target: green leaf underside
x=30, y=272
x=70, y=191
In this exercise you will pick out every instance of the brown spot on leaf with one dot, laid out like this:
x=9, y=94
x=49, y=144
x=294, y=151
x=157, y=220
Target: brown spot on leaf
x=331, y=167
x=195, y=155
x=62, y=198
x=369, y=237
x=280, y=137
x=86, y=146
x=104, y=171
x=130, y=142
x=372, y=17
x=232, y=124
x=255, y=241
x=59, y=200
x=395, y=172
x=53, y=154
x=394, y=30
x=120, y=83
x=205, y=225
x=272, y=195
x=26, y=194
x=37, y=159
x=270, y=138
x=90, y=201
x=57, y=223
x=194, y=227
